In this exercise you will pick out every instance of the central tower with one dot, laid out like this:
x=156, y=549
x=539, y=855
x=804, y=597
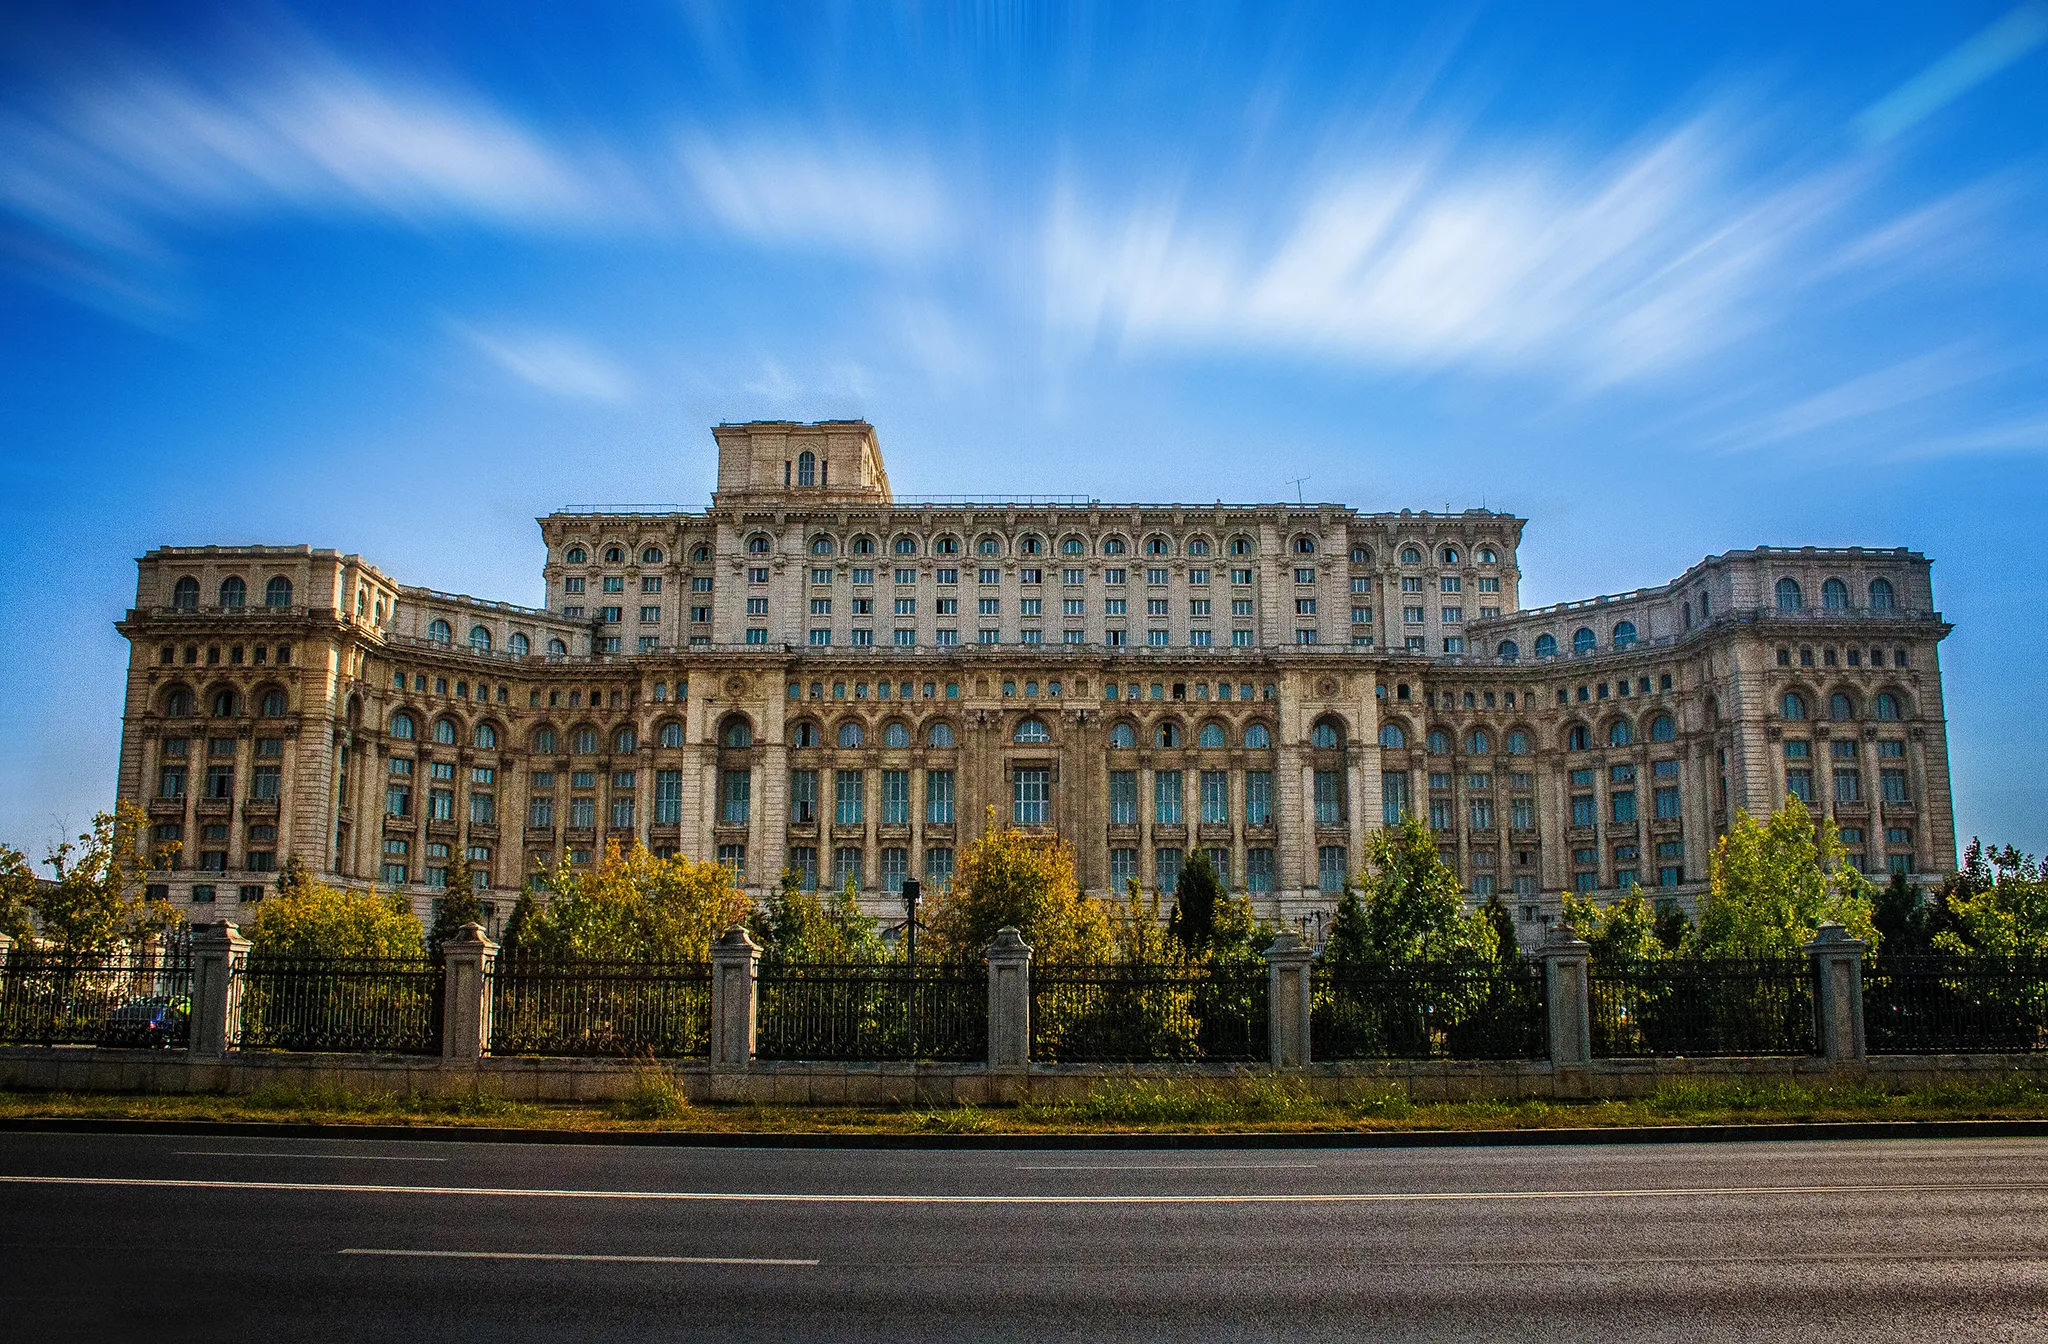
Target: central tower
x=834, y=462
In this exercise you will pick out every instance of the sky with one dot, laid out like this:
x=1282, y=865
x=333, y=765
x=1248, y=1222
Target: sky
x=1665, y=280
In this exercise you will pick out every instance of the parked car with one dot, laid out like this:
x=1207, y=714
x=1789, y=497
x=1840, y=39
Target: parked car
x=152, y=1023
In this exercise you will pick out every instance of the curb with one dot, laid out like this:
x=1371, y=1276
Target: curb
x=1420, y=1138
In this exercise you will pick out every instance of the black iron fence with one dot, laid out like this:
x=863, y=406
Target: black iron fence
x=370, y=1004
x=1936, y=1005
x=128, y=999
x=1418, y=1011
x=1707, y=1007
x=937, y=1011
x=600, y=1008
x=1129, y=1013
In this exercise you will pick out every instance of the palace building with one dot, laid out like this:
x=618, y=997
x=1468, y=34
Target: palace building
x=815, y=674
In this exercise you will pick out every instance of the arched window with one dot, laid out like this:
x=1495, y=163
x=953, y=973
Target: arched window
x=1156, y=546
x=1166, y=735
x=272, y=705
x=583, y=742
x=896, y=735
x=863, y=546
x=1113, y=546
x=1392, y=736
x=851, y=736
x=575, y=555
x=1888, y=707
x=557, y=649
x=1411, y=555
x=738, y=734
x=520, y=645
x=1546, y=646
x=1437, y=743
x=821, y=546
x=1257, y=737
x=650, y=555
x=479, y=639
x=278, y=592
x=1620, y=734
x=178, y=702
x=671, y=734
x=1211, y=735
x=225, y=703
x=402, y=726
x=1198, y=547
x=1031, y=730
x=906, y=545
x=1449, y=555
x=615, y=555
x=1881, y=595
x=1624, y=634
x=1518, y=743
x=1031, y=545
x=1793, y=705
x=1583, y=640
x=940, y=736
x=1834, y=595
x=1240, y=545
x=1663, y=728
x=803, y=735
x=1509, y=651
x=626, y=740
x=1486, y=555
x=185, y=594
x=1072, y=546
x=1361, y=555
x=444, y=732
x=1478, y=743
x=1123, y=737
x=1325, y=733
x=1789, y=598
x=1578, y=738
x=543, y=741
x=485, y=736
x=1841, y=708
x=439, y=632
x=947, y=546
x=806, y=468
x=233, y=592
x=1304, y=545
x=757, y=545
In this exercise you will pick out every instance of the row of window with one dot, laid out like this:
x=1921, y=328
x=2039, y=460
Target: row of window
x=1834, y=595
x=217, y=775
x=224, y=702
x=616, y=555
x=233, y=593
x=258, y=655
x=1886, y=706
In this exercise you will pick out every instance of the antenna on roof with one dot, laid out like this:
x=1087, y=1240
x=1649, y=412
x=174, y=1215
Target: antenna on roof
x=1297, y=483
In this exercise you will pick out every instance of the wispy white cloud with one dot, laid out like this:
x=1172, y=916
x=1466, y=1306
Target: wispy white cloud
x=793, y=191
x=550, y=362
x=1914, y=383
x=1989, y=51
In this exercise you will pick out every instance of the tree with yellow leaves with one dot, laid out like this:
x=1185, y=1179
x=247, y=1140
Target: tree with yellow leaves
x=1022, y=879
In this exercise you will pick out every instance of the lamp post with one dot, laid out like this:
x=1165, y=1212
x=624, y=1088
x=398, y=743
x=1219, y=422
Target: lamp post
x=912, y=889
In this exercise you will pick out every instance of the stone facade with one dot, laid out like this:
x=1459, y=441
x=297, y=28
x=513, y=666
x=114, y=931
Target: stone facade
x=814, y=673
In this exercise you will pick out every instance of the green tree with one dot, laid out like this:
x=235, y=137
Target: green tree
x=311, y=919
x=1195, y=898
x=17, y=887
x=457, y=906
x=2004, y=917
x=1410, y=907
x=1507, y=948
x=1013, y=877
x=1774, y=883
x=98, y=895
x=1903, y=918
x=1621, y=933
x=799, y=928
x=632, y=906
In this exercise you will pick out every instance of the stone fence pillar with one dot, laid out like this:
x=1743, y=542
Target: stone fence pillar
x=1565, y=956
x=1838, y=993
x=467, y=960
x=216, y=1022
x=735, y=985
x=6, y=949
x=1009, y=1000
x=1288, y=1000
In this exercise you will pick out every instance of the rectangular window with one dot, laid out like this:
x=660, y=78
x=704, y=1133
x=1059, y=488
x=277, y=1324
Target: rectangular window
x=1166, y=870
x=1258, y=797
x=938, y=797
x=803, y=797
x=735, y=797
x=1166, y=798
x=1215, y=798
x=1893, y=783
x=1123, y=868
x=895, y=867
x=483, y=810
x=1667, y=803
x=668, y=797
x=1440, y=814
x=622, y=814
x=849, y=798
x=1031, y=796
x=1123, y=797
x=1522, y=814
x=583, y=813
x=733, y=858
x=803, y=861
x=896, y=798
x=1848, y=786
x=1799, y=783
x=1394, y=800
x=170, y=782
x=1330, y=864
x=847, y=867
x=1258, y=870
x=220, y=781
x=540, y=812
x=1623, y=804
x=1329, y=798
x=1583, y=811
x=938, y=866
x=1482, y=814
x=441, y=805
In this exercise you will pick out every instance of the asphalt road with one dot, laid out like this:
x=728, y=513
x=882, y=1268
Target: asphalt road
x=110, y=1237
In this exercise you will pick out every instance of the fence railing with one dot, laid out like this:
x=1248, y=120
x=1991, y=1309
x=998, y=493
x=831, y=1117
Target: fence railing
x=1942, y=1005
x=937, y=1011
x=600, y=1008
x=1127, y=1013
x=128, y=999
x=370, y=1004
x=1703, y=1008
x=1389, y=1011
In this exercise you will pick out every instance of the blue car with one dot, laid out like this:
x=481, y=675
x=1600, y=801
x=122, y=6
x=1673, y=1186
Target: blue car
x=154, y=1023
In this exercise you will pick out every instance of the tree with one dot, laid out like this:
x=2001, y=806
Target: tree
x=1904, y=920
x=798, y=928
x=458, y=906
x=1195, y=898
x=98, y=896
x=1508, y=949
x=1774, y=883
x=2004, y=917
x=633, y=906
x=1013, y=877
x=1410, y=907
x=1624, y=932
x=17, y=888
x=311, y=919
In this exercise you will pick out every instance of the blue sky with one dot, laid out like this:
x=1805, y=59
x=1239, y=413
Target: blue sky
x=1666, y=283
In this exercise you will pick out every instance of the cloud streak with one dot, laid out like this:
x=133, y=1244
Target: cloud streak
x=550, y=362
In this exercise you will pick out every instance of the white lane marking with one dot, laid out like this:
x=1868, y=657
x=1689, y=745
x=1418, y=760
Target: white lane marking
x=606, y=1259
x=1180, y=1166
x=744, y=1197
x=324, y=1157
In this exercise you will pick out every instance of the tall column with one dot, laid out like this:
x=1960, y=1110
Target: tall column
x=1009, y=1000
x=467, y=961
x=1288, y=1001
x=735, y=976
x=216, y=991
x=1838, y=993
x=1565, y=956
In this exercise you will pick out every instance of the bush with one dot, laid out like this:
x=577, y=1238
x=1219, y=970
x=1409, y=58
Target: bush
x=1024, y=880
x=310, y=919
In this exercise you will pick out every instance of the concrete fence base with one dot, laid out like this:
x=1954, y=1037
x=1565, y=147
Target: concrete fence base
x=96, y=1069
